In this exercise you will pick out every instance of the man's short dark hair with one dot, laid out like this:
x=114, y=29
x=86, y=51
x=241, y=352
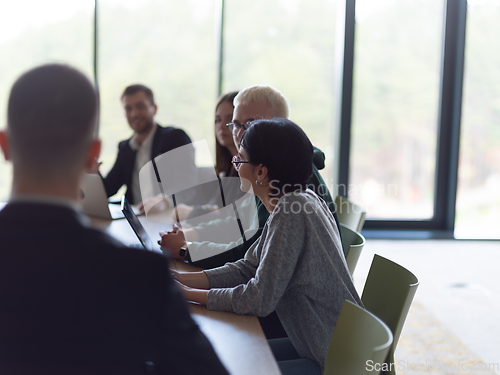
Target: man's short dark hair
x=51, y=117
x=134, y=89
x=284, y=149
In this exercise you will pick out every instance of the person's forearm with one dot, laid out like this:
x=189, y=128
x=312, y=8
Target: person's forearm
x=191, y=235
x=198, y=280
x=230, y=254
x=197, y=295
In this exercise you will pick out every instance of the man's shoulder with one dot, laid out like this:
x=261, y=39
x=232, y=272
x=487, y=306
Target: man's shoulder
x=168, y=130
x=124, y=148
x=169, y=138
x=111, y=248
x=61, y=227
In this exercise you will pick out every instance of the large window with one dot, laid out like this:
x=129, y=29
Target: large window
x=288, y=45
x=478, y=199
x=34, y=32
x=399, y=139
x=395, y=107
x=167, y=46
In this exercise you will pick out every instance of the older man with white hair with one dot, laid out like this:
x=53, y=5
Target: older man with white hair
x=256, y=102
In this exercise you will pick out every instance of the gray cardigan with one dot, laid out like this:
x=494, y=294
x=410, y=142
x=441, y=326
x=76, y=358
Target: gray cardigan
x=297, y=268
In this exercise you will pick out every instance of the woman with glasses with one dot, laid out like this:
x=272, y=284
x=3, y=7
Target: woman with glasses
x=297, y=266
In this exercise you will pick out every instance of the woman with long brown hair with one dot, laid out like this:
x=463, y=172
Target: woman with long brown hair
x=225, y=149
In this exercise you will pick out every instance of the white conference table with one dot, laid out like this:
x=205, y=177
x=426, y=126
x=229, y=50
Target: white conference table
x=238, y=340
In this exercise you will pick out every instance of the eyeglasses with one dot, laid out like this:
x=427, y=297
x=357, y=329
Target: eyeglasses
x=237, y=162
x=234, y=127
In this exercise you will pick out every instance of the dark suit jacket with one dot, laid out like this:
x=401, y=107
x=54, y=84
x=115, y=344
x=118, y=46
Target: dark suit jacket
x=75, y=301
x=165, y=139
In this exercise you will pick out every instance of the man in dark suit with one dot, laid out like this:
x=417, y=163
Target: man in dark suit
x=72, y=299
x=149, y=141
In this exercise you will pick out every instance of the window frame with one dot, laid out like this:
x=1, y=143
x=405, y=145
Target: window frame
x=449, y=110
x=449, y=117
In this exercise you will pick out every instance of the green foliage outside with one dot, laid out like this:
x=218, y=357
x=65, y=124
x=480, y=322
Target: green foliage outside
x=478, y=201
x=395, y=112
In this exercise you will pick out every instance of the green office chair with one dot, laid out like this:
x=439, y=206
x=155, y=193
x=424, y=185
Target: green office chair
x=352, y=243
x=360, y=343
x=350, y=214
x=388, y=293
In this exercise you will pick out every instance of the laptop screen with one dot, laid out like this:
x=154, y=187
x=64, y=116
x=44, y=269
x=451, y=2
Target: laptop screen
x=136, y=225
x=94, y=199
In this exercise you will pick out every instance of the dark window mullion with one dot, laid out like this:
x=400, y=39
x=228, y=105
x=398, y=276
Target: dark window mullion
x=344, y=75
x=449, y=118
x=96, y=70
x=450, y=110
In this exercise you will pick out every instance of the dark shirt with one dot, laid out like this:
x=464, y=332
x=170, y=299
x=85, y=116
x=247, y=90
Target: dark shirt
x=76, y=301
x=165, y=139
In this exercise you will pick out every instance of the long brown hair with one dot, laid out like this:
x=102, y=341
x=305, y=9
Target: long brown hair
x=222, y=155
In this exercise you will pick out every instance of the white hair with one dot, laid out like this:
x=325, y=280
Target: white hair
x=278, y=105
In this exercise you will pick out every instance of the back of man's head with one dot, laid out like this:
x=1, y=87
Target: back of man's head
x=278, y=105
x=51, y=119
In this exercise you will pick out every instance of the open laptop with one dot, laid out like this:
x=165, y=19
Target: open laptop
x=95, y=201
x=136, y=225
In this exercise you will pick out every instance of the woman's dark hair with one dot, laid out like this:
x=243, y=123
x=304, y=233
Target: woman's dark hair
x=284, y=149
x=222, y=155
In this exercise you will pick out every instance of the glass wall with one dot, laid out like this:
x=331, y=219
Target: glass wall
x=171, y=47
x=167, y=46
x=51, y=31
x=288, y=45
x=395, y=107
x=478, y=198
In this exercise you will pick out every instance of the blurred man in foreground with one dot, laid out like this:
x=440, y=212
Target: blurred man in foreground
x=74, y=300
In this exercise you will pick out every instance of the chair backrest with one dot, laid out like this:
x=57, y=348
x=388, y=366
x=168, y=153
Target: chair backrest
x=350, y=214
x=388, y=293
x=352, y=244
x=359, y=337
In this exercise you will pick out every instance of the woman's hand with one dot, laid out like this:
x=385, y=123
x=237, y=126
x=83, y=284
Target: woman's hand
x=192, y=294
x=172, y=241
x=156, y=204
x=191, y=234
x=175, y=274
x=210, y=207
x=193, y=285
x=197, y=280
x=180, y=276
x=183, y=210
x=184, y=289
